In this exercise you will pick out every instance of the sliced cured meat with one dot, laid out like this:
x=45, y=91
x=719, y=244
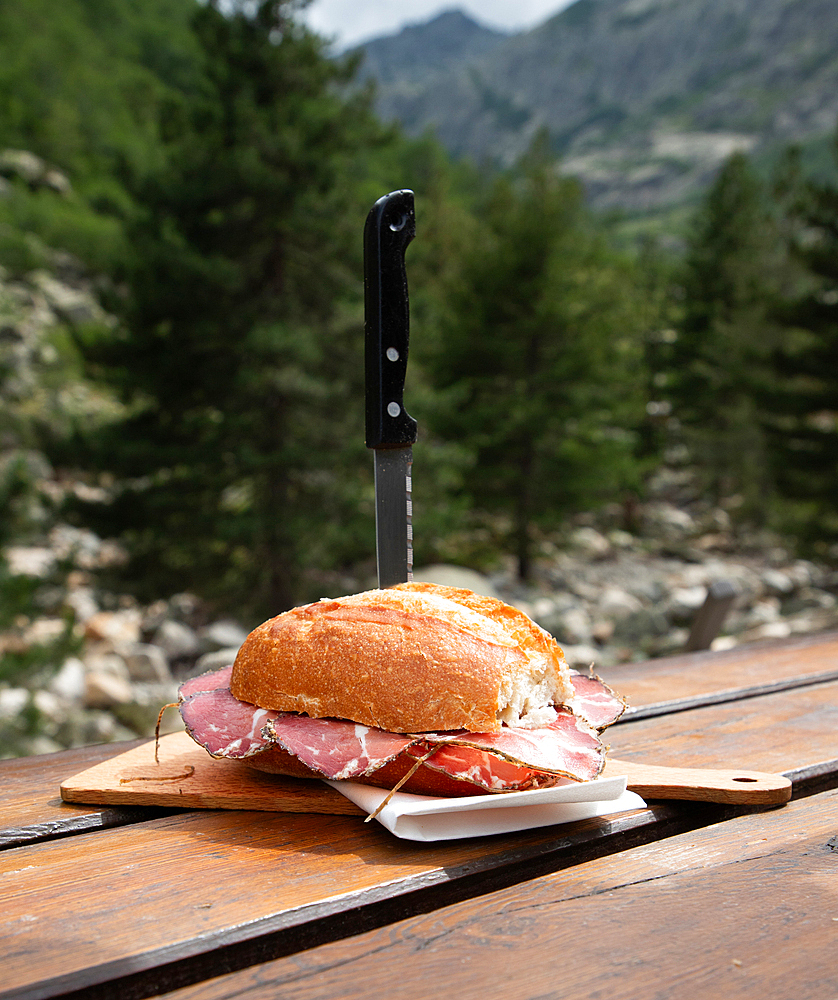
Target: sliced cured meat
x=458, y=770
x=213, y=680
x=335, y=748
x=594, y=700
x=223, y=725
x=227, y=727
x=511, y=760
x=567, y=747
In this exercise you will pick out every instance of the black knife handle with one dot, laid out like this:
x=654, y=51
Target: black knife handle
x=390, y=227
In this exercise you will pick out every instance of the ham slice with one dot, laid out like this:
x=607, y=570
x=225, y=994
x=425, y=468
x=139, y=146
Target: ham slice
x=335, y=748
x=511, y=760
x=595, y=701
x=223, y=725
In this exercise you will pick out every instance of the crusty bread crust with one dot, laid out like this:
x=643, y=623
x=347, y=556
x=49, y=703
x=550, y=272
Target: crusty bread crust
x=531, y=638
x=399, y=660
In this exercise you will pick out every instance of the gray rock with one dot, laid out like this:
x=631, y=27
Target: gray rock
x=621, y=539
x=573, y=626
x=640, y=627
x=72, y=304
x=82, y=727
x=445, y=575
x=42, y=744
x=214, y=661
x=119, y=628
x=30, y=560
x=13, y=700
x=762, y=612
x=777, y=582
x=23, y=164
x=102, y=660
x=68, y=683
x=183, y=606
x=107, y=690
x=142, y=712
x=668, y=521
x=49, y=705
x=154, y=616
x=178, y=641
x=146, y=662
x=685, y=601
x=770, y=630
x=222, y=635
x=44, y=631
x=590, y=544
x=614, y=602
x=82, y=603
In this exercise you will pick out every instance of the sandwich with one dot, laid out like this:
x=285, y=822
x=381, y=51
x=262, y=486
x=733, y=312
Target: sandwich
x=434, y=690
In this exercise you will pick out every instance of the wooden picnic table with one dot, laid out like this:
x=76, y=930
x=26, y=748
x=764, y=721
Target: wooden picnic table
x=676, y=899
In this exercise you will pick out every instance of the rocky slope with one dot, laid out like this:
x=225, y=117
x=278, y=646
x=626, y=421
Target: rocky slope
x=642, y=98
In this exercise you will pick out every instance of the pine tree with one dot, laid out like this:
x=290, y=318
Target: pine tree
x=538, y=361
x=243, y=370
x=804, y=432
x=722, y=379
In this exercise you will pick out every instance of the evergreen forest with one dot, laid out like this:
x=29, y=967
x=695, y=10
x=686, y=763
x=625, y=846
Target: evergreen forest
x=205, y=170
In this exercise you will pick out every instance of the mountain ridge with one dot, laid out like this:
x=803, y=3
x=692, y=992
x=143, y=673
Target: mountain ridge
x=643, y=99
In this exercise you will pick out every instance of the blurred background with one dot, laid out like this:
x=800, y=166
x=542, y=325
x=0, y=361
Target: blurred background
x=624, y=317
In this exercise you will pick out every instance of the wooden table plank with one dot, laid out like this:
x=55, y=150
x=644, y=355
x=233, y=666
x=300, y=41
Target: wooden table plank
x=791, y=732
x=744, y=909
x=266, y=883
x=660, y=686
x=30, y=805
x=179, y=898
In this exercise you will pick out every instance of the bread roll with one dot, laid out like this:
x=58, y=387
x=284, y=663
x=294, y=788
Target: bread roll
x=408, y=659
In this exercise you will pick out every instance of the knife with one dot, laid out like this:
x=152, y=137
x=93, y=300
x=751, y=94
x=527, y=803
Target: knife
x=390, y=430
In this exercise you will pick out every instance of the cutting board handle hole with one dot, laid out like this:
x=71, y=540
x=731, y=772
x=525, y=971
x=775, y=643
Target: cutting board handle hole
x=746, y=779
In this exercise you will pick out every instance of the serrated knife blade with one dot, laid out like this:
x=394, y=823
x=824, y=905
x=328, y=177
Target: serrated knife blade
x=390, y=430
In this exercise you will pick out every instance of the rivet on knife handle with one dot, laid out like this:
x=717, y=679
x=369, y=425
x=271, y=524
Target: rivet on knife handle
x=390, y=430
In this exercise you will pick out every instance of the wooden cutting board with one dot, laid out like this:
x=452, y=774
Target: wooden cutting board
x=186, y=777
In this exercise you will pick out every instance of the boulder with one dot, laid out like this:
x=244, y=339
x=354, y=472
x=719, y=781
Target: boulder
x=456, y=576
x=13, y=700
x=614, y=602
x=30, y=560
x=777, y=582
x=590, y=544
x=119, y=628
x=685, y=601
x=177, y=640
x=573, y=626
x=69, y=683
x=146, y=662
x=222, y=635
x=216, y=660
x=581, y=656
x=107, y=690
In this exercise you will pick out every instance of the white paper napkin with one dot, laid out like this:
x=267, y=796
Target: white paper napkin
x=425, y=817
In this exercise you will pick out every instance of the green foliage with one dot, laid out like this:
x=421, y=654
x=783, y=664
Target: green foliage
x=84, y=83
x=242, y=353
x=804, y=432
x=722, y=378
x=538, y=360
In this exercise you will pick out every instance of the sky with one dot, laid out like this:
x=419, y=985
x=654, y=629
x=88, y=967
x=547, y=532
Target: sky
x=352, y=21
